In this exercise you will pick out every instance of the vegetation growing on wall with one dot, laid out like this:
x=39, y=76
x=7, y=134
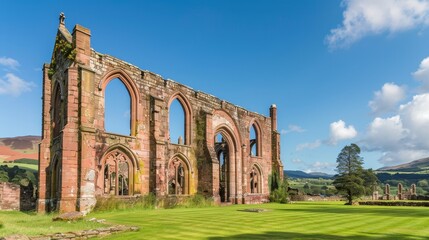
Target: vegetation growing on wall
x=65, y=48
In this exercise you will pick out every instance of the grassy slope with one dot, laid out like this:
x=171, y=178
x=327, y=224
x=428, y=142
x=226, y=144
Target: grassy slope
x=31, y=167
x=12, y=222
x=296, y=221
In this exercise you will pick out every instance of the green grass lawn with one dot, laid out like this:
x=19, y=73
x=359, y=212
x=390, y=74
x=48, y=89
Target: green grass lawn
x=13, y=222
x=302, y=220
x=290, y=221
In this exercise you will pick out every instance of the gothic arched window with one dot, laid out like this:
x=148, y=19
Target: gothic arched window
x=117, y=108
x=177, y=177
x=117, y=174
x=255, y=180
x=254, y=143
x=177, y=125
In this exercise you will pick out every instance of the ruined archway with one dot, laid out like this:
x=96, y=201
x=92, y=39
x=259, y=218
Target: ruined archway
x=255, y=139
x=225, y=147
x=187, y=111
x=132, y=89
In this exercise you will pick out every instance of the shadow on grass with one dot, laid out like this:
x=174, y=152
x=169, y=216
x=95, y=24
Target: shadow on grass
x=374, y=210
x=288, y=235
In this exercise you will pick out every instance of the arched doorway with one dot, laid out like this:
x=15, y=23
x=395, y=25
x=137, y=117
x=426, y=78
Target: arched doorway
x=222, y=153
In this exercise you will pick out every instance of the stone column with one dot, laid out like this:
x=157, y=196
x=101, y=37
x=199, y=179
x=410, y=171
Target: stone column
x=413, y=190
x=399, y=191
x=244, y=165
x=387, y=191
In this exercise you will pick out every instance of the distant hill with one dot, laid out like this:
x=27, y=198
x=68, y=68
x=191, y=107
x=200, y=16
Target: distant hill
x=14, y=148
x=414, y=166
x=301, y=174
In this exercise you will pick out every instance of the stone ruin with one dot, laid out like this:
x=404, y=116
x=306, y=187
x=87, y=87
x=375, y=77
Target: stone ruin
x=80, y=159
x=402, y=194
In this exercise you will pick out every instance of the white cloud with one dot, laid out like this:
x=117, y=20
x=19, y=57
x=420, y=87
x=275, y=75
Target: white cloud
x=387, y=98
x=422, y=74
x=385, y=134
x=13, y=85
x=370, y=17
x=404, y=137
x=320, y=167
x=297, y=161
x=339, y=131
x=9, y=62
x=400, y=156
x=415, y=116
x=293, y=128
x=311, y=145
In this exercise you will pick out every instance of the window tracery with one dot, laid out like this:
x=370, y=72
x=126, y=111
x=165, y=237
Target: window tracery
x=117, y=174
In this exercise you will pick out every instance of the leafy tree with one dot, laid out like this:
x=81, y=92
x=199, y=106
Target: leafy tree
x=423, y=183
x=370, y=181
x=280, y=195
x=4, y=177
x=278, y=188
x=306, y=188
x=350, y=179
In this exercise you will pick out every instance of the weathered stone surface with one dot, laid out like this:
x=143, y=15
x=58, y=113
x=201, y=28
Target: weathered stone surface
x=85, y=234
x=69, y=216
x=9, y=196
x=40, y=238
x=15, y=237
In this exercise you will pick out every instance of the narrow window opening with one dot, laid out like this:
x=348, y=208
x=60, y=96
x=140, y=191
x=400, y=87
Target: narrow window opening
x=222, y=152
x=253, y=141
x=117, y=108
x=176, y=121
x=254, y=180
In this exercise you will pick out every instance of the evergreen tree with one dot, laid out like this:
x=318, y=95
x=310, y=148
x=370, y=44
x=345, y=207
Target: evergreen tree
x=350, y=178
x=370, y=181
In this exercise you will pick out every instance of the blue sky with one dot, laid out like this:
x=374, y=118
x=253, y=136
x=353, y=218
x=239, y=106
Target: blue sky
x=340, y=72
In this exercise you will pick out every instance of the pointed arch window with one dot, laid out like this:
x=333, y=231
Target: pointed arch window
x=178, y=173
x=117, y=173
x=117, y=108
x=179, y=119
x=254, y=141
x=177, y=122
x=255, y=180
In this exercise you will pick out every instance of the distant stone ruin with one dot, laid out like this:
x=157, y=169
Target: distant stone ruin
x=402, y=194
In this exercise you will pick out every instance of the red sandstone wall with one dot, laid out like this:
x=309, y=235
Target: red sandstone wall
x=9, y=196
x=84, y=143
